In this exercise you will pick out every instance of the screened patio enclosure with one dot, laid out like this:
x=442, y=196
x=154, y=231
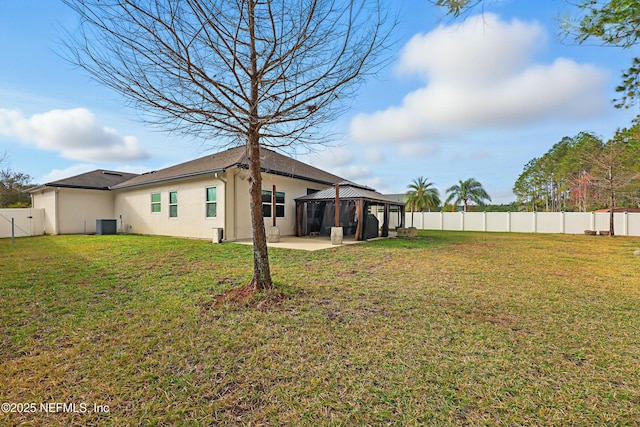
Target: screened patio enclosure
x=358, y=208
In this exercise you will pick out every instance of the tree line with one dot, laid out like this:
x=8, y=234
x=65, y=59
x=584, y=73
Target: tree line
x=12, y=186
x=584, y=173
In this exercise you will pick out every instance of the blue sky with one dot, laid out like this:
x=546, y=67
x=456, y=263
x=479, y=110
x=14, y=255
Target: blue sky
x=459, y=99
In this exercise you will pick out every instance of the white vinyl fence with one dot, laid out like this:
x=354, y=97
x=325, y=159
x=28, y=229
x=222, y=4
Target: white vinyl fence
x=625, y=224
x=26, y=222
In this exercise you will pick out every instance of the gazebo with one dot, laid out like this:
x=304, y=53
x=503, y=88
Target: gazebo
x=316, y=212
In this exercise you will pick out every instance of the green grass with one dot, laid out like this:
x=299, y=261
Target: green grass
x=447, y=329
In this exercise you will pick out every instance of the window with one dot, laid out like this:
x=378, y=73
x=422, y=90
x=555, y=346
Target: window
x=211, y=202
x=173, y=204
x=267, y=202
x=279, y=204
x=155, y=202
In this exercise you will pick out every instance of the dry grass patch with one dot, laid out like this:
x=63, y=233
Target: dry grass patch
x=449, y=328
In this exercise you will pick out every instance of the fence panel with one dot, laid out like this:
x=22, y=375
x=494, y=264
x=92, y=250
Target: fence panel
x=522, y=222
x=432, y=220
x=601, y=221
x=549, y=222
x=578, y=222
x=26, y=222
x=452, y=221
x=527, y=222
x=633, y=224
x=474, y=221
x=498, y=221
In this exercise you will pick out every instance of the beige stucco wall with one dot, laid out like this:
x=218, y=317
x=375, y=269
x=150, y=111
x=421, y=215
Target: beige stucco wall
x=293, y=188
x=135, y=207
x=79, y=209
x=232, y=211
x=71, y=210
x=46, y=199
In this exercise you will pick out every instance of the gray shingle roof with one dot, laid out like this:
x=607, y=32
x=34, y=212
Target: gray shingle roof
x=95, y=180
x=271, y=162
x=350, y=192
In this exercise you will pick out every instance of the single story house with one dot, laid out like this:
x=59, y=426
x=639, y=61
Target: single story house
x=194, y=198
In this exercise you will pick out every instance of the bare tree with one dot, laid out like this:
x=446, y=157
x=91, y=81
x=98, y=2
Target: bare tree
x=252, y=72
x=613, y=168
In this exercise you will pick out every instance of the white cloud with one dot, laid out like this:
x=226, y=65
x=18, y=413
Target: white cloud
x=75, y=134
x=341, y=162
x=480, y=50
x=373, y=155
x=377, y=184
x=354, y=172
x=331, y=158
x=417, y=149
x=481, y=74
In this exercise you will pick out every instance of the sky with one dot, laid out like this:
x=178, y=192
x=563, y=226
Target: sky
x=477, y=97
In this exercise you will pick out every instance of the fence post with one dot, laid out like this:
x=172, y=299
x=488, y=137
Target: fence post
x=13, y=231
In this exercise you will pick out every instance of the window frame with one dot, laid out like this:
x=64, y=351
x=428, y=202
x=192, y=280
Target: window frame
x=269, y=204
x=173, y=204
x=208, y=203
x=155, y=203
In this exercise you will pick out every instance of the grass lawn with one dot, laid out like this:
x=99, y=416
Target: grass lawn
x=447, y=329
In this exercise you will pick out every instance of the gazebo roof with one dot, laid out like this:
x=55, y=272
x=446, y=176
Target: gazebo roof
x=349, y=191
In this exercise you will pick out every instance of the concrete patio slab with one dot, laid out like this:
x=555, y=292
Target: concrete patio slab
x=308, y=243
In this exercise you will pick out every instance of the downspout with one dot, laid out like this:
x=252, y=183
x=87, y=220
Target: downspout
x=56, y=222
x=337, y=205
x=235, y=206
x=226, y=199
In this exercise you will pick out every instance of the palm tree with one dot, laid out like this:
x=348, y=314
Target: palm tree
x=421, y=196
x=465, y=191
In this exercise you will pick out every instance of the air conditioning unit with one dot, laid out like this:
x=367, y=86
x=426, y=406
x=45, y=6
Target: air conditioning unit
x=106, y=226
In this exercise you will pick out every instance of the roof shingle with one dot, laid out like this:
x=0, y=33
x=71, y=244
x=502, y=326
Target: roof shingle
x=350, y=192
x=95, y=180
x=271, y=162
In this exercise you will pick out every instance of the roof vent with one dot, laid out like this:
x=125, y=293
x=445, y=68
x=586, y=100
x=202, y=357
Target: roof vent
x=111, y=173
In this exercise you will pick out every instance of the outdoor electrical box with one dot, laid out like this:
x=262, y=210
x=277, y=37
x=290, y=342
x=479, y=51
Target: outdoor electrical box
x=106, y=226
x=217, y=235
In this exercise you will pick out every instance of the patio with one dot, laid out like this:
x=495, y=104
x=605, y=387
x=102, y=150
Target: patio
x=307, y=243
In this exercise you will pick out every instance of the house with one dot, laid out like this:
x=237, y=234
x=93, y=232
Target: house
x=191, y=199
x=72, y=205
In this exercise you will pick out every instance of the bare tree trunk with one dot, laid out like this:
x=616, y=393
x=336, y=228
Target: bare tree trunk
x=261, y=271
x=612, y=204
